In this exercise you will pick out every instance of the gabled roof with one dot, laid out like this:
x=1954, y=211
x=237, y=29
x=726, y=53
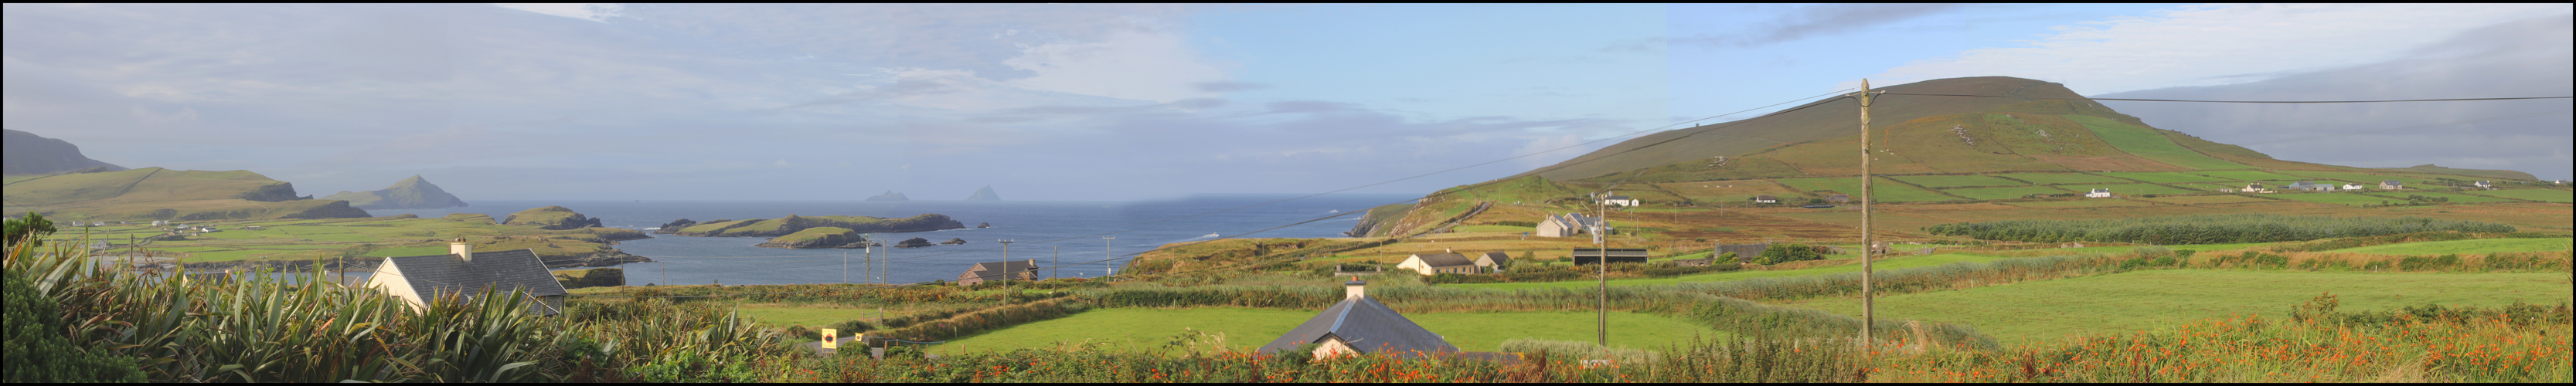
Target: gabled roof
x=1000, y=270
x=1366, y=325
x=1493, y=258
x=1438, y=260
x=438, y=275
x=1614, y=198
x=2389, y=182
x=2103, y=190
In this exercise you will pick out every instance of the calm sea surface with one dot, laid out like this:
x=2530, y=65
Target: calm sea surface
x=1042, y=230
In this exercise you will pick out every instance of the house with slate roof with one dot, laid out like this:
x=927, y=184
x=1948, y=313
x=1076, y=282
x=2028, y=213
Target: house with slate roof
x=1566, y=225
x=2098, y=193
x=1619, y=200
x=466, y=273
x=1429, y=264
x=1493, y=262
x=1589, y=256
x=2391, y=185
x=999, y=271
x=1359, y=324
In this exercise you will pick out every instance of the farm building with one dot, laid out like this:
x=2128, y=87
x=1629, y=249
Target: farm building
x=2099, y=193
x=2353, y=186
x=999, y=271
x=1766, y=199
x=2391, y=185
x=1438, y=263
x=1493, y=262
x=2309, y=186
x=2254, y=188
x=1566, y=225
x=1359, y=324
x=466, y=273
x=1619, y=200
x=1838, y=198
x=2486, y=185
x=1588, y=256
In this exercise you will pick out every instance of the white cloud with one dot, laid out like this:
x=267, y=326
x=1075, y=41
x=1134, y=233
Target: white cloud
x=1130, y=63
x=2220, y=44
x=598, y=12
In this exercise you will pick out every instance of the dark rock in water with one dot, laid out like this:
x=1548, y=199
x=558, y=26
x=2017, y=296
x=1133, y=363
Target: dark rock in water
x=889, y=196
x=675, y=225
x=954, y=242
x=984, y=225
x=915, y=242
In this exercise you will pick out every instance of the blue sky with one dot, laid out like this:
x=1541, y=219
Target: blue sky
x=1114, y=102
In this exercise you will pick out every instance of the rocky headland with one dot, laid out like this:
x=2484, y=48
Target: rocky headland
x=793, y=223
x=551, y=218
x=410, y=193
x=818, y=237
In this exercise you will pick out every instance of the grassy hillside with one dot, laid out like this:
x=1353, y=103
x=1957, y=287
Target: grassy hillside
x=2495, y=174
x=163, y=194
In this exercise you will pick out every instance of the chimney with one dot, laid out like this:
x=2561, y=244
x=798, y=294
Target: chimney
x=1448, y=250
x=1355, y=288
x=461, y=249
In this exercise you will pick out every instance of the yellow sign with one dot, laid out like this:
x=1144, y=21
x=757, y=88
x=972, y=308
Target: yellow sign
x=831, y=339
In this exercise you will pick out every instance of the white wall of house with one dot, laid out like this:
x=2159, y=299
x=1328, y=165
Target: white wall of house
x=389, y=278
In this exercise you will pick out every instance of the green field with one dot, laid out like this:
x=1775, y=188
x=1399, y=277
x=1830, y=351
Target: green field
x=2363, y=178
x=2083, y=203
x=2197, y=187
x=1887, y=264
x=2150, y=144
x=1495, y=228
x=2129, y=189
x=2250, y=175
x=2048, y=311
x=1937, y=182
x=2163, y=177
x=1885, y=190
x=809, y=316
x=2466, y=247
x=2542, y=195
x=2003, y=193
x=2208, y=199
x=1249, y=328
x=2455, y=197
x=2062, y=178
x=2337, y=198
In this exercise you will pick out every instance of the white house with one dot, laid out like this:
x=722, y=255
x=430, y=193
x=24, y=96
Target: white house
x=464, y=272
x=1619, y=200
x=1447, y=261
x=2254, y=188
x=1766, y=199
x=2486, y=185
x=2099, y=193
x=1566, y=225
x=2391, y=185
x=2353, y=187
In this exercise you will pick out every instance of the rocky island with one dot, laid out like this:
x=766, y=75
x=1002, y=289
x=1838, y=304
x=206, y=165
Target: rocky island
x=985, y=194
x=818, y=237
x=411, y=193
x=794, y=223
x=889, y=196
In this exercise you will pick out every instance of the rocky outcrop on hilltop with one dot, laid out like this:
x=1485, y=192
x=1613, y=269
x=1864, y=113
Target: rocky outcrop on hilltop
x=410, y=193
x=793, y=223
x=915, y=242
x=889, y=196
x=814, y=238
x=551, y=218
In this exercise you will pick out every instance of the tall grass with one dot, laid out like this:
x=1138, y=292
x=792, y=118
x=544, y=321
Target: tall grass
x=2207, y=229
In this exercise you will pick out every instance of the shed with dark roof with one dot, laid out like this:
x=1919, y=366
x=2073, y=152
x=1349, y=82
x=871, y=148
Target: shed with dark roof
x=1493, y=262
x=1359, y=324
x=1438, y=263
x=999, y=271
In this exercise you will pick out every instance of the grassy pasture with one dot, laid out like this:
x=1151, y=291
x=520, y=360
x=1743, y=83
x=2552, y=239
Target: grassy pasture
x=2208, y=199
x=1885, y=190
x=1495, y=228
x=2336, y=198
x=2085, y=203
x=2455, y=197
x=1142, y=329
x=2003, y=193
x=2062, y=178
x=2476, y=246
x=1885, y=264
x=2150, y=144
x=1958, y=181
x=2130, y=189
x=2542, y=195
x=2209, y=186
x=2364, y=178
x=2049, y=311
x=2163, y=177
x=2250, y=175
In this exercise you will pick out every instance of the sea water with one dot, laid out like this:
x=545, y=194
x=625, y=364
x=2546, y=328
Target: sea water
x=1069, y=232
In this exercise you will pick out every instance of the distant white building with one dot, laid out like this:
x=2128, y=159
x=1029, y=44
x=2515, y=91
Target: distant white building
x=2486, y=185
x=1766, y=199
x=2354, y=187
x=1619, y=200
x=2099, y=193
x=2254, y=188
x=2391, y=185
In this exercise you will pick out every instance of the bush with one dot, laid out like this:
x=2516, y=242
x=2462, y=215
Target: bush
x=38, y=352
x=1788, y=252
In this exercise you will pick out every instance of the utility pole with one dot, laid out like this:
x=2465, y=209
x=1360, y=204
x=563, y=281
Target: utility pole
x=1007, y=275
x=845, y=268
x=1058, y=263
x=1601, y=310
x=1867, y=308
x=1106, y=256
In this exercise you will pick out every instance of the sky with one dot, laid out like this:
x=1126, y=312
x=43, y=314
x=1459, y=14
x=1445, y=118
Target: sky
x=1126, y=102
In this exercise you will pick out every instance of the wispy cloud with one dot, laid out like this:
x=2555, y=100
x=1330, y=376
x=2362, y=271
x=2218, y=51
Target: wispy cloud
x=1817, y=20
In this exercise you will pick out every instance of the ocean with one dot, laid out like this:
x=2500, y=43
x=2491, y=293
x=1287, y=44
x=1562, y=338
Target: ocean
x=1048, y=231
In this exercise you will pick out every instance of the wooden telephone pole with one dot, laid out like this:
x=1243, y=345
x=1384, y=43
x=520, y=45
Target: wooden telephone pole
x=1867, y=309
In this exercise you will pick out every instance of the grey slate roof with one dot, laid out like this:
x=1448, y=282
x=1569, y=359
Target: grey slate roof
x=438, y=275
x=1494, y=258
x=1000, y=270
x=1442, y=260
x=1366, y=325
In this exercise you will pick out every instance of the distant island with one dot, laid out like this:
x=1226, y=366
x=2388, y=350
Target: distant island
x=985, y=194
x=794, y=223
x=889, y=196
x=818, y=237
x=411, y=193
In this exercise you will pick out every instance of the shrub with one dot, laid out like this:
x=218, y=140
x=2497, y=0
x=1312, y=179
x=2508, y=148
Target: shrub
x=38, y=351
x=1788, y=252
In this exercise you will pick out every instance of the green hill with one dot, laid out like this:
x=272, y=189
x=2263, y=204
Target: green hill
x=163, y=194
x=2497, y=174
x=27, y=153
x=410, y=193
